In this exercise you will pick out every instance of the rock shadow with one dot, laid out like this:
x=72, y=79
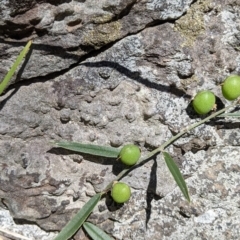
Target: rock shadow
x=135, y=75
x=151, y=191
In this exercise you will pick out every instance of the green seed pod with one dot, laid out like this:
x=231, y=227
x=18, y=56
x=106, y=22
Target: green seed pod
x=231, y=87
x=204, y=102
x=121, y=192
x=130, y=154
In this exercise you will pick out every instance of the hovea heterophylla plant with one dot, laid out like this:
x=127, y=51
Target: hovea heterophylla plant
x=130, y=154
x=205, y=98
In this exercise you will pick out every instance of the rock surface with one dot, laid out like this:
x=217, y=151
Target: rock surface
x=111, y=73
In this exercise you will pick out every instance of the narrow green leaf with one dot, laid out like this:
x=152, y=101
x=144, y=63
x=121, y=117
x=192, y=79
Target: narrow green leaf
x=173, y=168
x=235, y=114
x=96, y=233
x=97, y=150
x=10, y=73
x=76, y=222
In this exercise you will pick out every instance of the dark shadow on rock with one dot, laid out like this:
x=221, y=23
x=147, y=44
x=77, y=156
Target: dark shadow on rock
x=26, y=60
x=111, y=205
x=3, y=102
x=118, y=166
x=21, y=221
x=85, y=156
x=49, y=49
x=122, y=166
x=66, y=53
x=224, y=122
x=136, y=77
x=19, y=6
x=56, y=3
x=151, y=190
x=19, y=74
x=55, y=50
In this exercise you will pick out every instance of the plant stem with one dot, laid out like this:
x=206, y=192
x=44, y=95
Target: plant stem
x=189, y=128
x=119, y=176
x=167, y=143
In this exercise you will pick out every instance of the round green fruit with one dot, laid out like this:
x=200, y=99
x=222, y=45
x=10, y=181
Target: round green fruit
x=130, y=154
x=204, y=102
x=121, y=192
x=231, y=87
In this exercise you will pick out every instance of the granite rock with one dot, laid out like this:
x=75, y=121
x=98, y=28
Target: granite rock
x=111, y=73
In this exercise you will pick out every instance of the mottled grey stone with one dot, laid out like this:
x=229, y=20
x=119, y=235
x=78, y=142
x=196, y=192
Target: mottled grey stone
x=111, y=73
x=63, y=33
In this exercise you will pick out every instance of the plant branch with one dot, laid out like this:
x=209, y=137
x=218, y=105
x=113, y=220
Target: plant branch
x=189, y=128
x=167, y=143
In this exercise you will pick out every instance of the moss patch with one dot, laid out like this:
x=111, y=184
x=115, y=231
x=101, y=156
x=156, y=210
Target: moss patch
x=103, y=34
x=188, y=81
x=192, y=24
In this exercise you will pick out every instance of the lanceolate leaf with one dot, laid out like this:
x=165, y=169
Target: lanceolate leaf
x=95, y=233
x=235, y=114
x=173, y=168
x=97, y=150
x=76, y=222
x=10, y=73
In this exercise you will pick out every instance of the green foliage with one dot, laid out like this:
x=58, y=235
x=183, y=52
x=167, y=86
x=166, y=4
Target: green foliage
x=77, y=221
x=95, y=233
x=173, y=168
x=103, y=151
x=236, y=114
x=10, y=73
x=113, y=152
